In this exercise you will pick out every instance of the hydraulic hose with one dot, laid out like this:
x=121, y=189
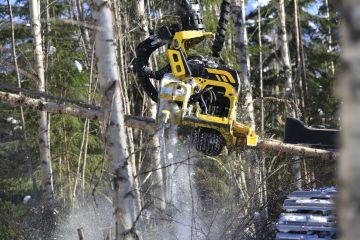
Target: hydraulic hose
x=143, y=53
x=221, y=28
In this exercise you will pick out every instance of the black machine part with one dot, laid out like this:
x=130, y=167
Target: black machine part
x=208, y=141
x=191, y=15
x=221, y=28
x=143, y=52
x=297, y=133
x=192, y=19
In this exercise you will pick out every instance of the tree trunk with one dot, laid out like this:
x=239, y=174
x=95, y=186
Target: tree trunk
x=242, y=59
x=149, y=125
x=289, y=89
x=158, y=191
x=45, y=158
x=247, y=107
x=262, y=126
x=119, y=12
x=329, y=37
x=84, y=30
x=284, y=48
x=23, y=123
x=112, y=104
x=349, y=164
x=299, y=66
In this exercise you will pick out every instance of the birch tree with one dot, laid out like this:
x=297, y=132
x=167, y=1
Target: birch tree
x=262, y=123
x=349, y=164
x=124, y=86
x=284, y=49
x=115, y=132
x=289, y=89
x=329, y=36
x=299, y=65
x=239, y=18
x=158, y=190
x=23, y=123
x=251, y=158
x=44, y=147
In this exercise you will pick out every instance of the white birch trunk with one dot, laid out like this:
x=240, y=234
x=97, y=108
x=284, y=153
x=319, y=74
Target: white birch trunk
x=23, y=123
x=299, y=66
x=247, y=107
x=242, y=59
x=120, y=38
x=349, y=164
x=115, y=132
x=329, y=37
x=158, y=189
x=45, y=158
x=262, y=126
x=284, y=48
x=289, y=89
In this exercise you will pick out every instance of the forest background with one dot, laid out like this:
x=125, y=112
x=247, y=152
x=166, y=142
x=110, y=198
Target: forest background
x=70, y=184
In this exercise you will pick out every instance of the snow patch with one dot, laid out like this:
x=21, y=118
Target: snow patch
x=27, y=199
x=78, y=66
x=51, y=50
x=261, y=3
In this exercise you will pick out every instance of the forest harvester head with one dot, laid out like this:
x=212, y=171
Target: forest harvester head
x=198, y=94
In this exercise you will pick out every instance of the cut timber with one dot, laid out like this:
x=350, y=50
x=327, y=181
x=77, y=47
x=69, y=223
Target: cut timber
x=297, y=150
x=149, y=125
x=308, y=215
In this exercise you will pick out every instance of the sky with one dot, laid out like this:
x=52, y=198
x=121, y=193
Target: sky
x=252, y=4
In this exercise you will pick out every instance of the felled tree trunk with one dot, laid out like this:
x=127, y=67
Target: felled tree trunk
x=149, y=125
x=113, y=120
x=44, y=147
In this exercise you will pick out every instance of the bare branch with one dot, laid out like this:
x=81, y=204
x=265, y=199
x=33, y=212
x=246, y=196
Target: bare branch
x=41, y=105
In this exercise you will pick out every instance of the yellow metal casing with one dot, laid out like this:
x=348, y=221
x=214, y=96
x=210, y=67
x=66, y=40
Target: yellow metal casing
x=221, y=124
x=181, y=89
x=176, y=63
x=184, y=40
x=241, y=129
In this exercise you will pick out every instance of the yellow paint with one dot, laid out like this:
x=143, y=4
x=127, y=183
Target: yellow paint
x=224, y=78
x=222, y=72
x=241, y=129
x=232, y=131
x=185, y=39
x=176, y=63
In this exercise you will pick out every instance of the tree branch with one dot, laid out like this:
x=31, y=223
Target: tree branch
x=143, y=123
x=52, y=107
